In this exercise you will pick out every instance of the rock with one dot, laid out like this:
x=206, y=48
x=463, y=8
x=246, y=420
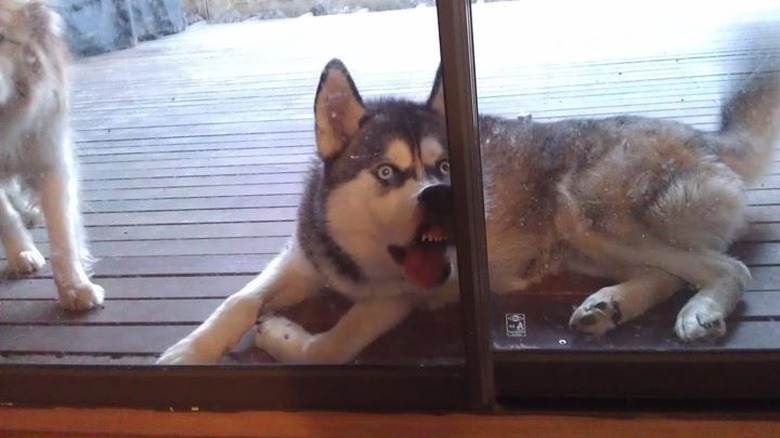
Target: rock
x=99, y=26
x=154, y=19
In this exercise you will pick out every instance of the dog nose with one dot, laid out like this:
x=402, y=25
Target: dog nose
x=437, y=199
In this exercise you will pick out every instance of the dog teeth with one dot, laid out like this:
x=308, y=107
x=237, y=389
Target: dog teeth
x=433, y=238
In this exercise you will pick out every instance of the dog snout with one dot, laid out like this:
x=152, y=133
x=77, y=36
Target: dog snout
x=437, y=199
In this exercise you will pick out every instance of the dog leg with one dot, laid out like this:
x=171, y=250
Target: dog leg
x=704, y=315
x=60, y=208
x=719, y=278
x=288, y=342
x=287, y=280
x=22, y=255
x=613, y=305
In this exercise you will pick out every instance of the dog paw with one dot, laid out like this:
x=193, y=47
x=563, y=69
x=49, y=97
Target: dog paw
x=700, y=320
x=190, y=351
x=81, y=297
x=596, y=315
x=283, y=339
x=25, y=262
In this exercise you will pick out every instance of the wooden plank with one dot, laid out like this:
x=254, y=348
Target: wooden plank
x=100, y=340
x=147, y=154
x=267, y=214
x=765, y=277
x=238, y=143
x=173, y=265
x=182, y=131
x=223, y=246
x=241, y=141
x=246, y=264
x=174, y=247
x=193, y=192
x=195, y=181
x=198, y=286
x=199, y=162
x=225, y=202
x=766, y=232
x=757, y=253
x=114, y=312
x=167, y=172
x=764, y=214
x=770, y=196
x=203, y=231
x=65, y=359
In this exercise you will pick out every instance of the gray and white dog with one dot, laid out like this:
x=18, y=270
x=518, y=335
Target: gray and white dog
x=652, y=204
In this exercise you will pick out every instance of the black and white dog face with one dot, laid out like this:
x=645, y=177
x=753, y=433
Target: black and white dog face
x=386, y=171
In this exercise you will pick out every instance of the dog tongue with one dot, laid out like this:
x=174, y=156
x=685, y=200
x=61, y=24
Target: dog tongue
x=425, y=265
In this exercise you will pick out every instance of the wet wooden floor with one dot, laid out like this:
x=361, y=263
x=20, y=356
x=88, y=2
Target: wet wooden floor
x=193, y=150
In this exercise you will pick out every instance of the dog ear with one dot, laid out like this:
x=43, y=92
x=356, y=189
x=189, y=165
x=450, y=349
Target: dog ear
x=436, y=99
x=338, y=109
x=42, y=20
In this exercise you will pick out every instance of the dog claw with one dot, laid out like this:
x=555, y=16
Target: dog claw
x=82, y=297
x=595, y=316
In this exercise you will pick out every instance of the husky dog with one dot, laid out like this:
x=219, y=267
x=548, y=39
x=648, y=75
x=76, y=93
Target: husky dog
x=36, y=155
x=652, y=204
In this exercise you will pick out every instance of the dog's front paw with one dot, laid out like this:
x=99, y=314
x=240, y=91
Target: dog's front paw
x=700, y=319
x=596, y=315
x=25, y=262
x=283, y=339
x=190, y=351
x=80, y=297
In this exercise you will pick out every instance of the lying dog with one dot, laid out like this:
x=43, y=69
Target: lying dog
x=652, y=204
x=36, y=155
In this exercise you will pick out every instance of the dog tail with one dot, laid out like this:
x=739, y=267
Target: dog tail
x=750, y=119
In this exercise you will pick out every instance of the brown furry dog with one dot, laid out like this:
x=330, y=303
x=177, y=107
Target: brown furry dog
x=36, y=152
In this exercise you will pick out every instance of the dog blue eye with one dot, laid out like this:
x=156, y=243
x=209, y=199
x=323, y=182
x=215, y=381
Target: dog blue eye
x=385, y=172
x=444, y=167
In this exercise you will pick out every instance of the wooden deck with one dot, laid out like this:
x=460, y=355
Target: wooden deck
x=193, y=149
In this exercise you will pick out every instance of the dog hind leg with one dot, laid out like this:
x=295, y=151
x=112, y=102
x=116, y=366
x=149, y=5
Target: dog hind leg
x=22, y=255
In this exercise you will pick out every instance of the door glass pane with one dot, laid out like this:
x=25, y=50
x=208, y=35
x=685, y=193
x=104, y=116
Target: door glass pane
x=631, y=182
x=194, y=127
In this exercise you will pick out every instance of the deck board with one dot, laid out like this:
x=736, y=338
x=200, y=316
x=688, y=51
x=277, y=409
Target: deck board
x=194, y=148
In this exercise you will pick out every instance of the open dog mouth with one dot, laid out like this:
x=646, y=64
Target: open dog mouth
x=425, y=260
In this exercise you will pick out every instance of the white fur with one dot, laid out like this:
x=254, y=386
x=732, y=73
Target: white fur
x=36, y=151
